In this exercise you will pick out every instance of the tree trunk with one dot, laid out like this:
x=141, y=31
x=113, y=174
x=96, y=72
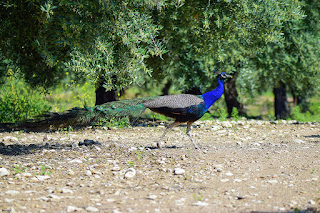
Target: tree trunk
x=193, y=91
x=103, y=96
x=301, y=102
x=281, y=107
x=166, y=88
x=231, y=96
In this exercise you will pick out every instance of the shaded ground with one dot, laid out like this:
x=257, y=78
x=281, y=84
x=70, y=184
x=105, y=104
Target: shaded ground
x=245, y=166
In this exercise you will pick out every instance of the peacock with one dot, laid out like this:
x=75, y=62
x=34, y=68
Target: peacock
x=184, y=108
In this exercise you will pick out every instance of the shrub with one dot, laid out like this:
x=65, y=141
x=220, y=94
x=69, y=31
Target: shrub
x=18, y=102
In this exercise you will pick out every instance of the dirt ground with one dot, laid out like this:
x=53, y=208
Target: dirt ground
x=244, y=166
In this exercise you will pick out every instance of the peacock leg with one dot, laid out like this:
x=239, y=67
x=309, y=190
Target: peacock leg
x=174, y=124
x=189, y=124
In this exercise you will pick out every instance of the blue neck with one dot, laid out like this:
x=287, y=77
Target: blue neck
x=211, y=97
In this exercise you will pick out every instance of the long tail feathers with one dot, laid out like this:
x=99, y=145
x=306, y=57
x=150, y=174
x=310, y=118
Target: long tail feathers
x=86, y=116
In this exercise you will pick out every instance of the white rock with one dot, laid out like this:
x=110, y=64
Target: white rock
x=224, y=180
x=130, y=173
x=272, y=181
x=75, y=161
x=298, y=141
x=229, y=174
x=226, y=124
x=200, y=203
x=10, y=138
x=312, y=202
x=88, y=173
x=180, y=202
x=179, y=171
x=42, y=177
x=8, y=200
x=4, y=172
x=215, y=128
x=65, y=190
x=12, y=192
x=54, y=197
x=73, y=209
x=26, y=174
x=92, y=209
x=152, y=197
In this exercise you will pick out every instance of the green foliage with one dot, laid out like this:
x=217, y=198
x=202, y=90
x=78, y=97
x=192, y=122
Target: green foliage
x=18, y=102
x=313, y=114
x=45, y=170
x=63, y=97
x=131, y=164
x=18, y=169
x=206, y=116
x=223, y=114
x=235, y=114
x=94, y=41
x=121, y=122
x=294, y=61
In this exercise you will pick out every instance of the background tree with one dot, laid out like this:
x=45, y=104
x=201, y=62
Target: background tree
x=291, y=65
x=106, y=42
x=204, y=35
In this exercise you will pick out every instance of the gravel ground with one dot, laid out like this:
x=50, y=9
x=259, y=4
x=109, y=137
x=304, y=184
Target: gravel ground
x=244, y=166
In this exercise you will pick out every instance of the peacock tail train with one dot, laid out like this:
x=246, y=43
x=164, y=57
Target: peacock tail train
x=132, y=108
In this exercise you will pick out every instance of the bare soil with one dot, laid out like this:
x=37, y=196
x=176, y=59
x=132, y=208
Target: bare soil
x=244, y=166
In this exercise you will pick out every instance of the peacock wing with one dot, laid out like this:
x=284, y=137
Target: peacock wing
x=174, y=101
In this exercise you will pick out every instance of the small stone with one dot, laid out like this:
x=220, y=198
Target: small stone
x=88, y=173
x=116, y=168
x=11, y=210
x=312, y=202
x=4, y=172
x=215, y=128
x=200, y=203
x=272, y=181
x=130, y=173
x=180, y=202
x=10, y=138
x=65, y=190
x=12, y=192
x=70, y=172
x=8, y=200
x=179, y=171
x=226, y=124
x=298, y=141
x=110, y=200
x=224, y=180
x=42, y=177
x=74, y=146
x=54, y=197
x=75, y=161
x=26, y=174
x=152, y=197
x=229, y=174
x=92, y=209
x=73, y=209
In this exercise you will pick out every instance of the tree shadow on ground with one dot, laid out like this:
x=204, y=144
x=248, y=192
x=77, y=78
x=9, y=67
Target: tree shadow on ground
x=296, y=210
x=21, y=149
x=312, y=136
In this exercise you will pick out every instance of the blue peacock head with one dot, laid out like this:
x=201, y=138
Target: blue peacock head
x=224, y=75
